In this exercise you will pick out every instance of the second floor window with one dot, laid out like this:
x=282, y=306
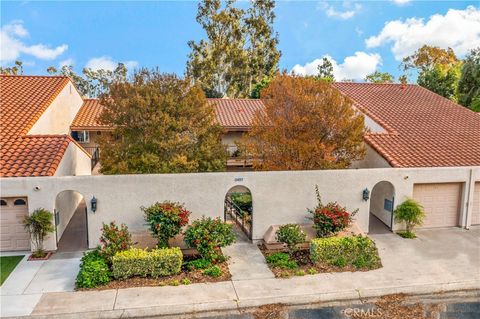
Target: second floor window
x=81, y=136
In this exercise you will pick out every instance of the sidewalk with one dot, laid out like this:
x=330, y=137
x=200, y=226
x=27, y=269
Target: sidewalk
x=438, y=261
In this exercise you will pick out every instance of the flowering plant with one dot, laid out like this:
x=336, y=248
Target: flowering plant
x=165, y=220
x=331, y=218
x=114, y=239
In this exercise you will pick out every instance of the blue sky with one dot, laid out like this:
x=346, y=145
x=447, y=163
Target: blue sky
x=359, y=36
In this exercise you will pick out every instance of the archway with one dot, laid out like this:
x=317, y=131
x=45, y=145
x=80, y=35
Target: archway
x=382, y=203
x=238, y=210
x=71, y=224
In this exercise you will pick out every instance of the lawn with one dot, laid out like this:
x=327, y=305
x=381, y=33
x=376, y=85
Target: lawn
x=7, y=265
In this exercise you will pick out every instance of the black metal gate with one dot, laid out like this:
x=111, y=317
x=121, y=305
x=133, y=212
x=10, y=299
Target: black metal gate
x=241, y=218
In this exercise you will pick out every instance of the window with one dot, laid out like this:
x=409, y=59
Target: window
x=19, y=202
x=83, y=136
x=388, y=205
x=3, y=202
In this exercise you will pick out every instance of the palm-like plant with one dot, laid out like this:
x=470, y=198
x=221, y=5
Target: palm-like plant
x=410, y=212
x=39, y=225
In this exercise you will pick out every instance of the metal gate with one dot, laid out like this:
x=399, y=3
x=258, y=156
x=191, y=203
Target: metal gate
x=241, y=218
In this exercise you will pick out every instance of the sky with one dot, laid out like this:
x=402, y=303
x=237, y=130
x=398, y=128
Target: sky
x=359, y=37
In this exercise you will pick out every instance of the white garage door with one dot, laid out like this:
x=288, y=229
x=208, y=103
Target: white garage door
x=476, y=205
x=441, y=203
x=13, y=236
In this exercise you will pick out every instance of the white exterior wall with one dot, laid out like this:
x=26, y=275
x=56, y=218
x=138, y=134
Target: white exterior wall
x=371, y=160
x=278, y=197
x=66, y=204
x=74, y=162
x=58, y=117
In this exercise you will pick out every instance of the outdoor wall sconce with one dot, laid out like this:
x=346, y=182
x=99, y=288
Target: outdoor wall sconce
x=93, y=203
x=366, y=194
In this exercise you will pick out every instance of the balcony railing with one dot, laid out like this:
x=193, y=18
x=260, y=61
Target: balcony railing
x=237, y=159
x=95, y=153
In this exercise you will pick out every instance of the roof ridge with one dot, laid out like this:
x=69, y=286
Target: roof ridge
x=33, y=76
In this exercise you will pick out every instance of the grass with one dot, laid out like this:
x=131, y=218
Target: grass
x=7, y=265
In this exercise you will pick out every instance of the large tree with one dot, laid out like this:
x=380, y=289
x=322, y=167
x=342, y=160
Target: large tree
x=162, y=124
x=239, y=49
x=379, y=77
x=469, y=84
x=325, y=70
x=307, y=124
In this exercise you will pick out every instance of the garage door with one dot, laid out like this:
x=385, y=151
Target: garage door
x=476, y=205
x=13, y=236
x=441, y=203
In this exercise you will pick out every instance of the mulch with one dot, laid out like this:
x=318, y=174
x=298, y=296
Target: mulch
x=305, y=265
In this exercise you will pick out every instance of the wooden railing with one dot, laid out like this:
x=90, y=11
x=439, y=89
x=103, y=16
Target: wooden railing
x=241, y=218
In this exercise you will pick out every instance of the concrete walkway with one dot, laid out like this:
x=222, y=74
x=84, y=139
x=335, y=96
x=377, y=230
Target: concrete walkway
x=438, y=261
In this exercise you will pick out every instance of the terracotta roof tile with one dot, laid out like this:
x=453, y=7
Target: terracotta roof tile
x=87, y=117
x=423, y=129
x=23, y=99
x=236, y=114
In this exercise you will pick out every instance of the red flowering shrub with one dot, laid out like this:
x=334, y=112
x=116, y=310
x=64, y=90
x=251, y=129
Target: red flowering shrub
x=331, y=218
x=114, y=239
x=165, y=220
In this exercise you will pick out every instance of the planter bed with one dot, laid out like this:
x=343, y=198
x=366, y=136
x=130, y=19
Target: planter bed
x=185, y=277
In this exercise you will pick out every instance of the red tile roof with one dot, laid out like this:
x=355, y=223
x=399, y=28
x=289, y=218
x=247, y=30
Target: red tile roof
x=236, y=114
x=423, y=129
x=23, y=99
x=87, y=117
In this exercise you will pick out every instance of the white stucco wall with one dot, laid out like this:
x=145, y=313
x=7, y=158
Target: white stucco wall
x=66, y=203
x=74, y=162
x=371, y=160
x=58, y=117
x=278, y=197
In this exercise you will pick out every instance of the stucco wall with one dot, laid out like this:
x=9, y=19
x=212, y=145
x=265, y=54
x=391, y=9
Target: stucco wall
x=66, y=204
x=371, y=160
x=383, y=190
x=60, y=114
x=278, y=197
x=74, y=162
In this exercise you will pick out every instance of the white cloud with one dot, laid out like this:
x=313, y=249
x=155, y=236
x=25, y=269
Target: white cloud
x=458, y=29
x=67, y=62
x=401, y=2
x=107, y=63
x=12, y=44
x=349, y=10
x=354, y=67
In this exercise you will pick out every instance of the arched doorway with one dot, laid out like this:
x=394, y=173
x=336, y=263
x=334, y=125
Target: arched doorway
x=382, y=203
x=71, y=225
x=238, y=210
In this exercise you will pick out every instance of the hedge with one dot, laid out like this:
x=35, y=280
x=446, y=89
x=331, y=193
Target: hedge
x=143, y=263
x=94, y=270
x=356, y=251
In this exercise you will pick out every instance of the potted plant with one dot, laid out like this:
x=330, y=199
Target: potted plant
x=412, y=213
x=39, y=225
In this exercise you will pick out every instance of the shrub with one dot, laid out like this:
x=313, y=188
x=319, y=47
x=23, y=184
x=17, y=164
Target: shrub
x=39, y=225
x=207, y=235
x=243, y=201
x=407, y=234
x=300, y=272
x=186, y=281
x=114, y=239
x=330, y=218
x=213, y=271
x=139, y=262
x=357, y=251
x=410, y=212
x=174, y=282
x=312, y=271
x=281, y=260
x=165, y=220
x=291, y=235
x=94, y=270
x=200, y=263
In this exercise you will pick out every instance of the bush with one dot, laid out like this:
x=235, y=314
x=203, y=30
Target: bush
x=165, y=220
x=407, y=234
x=410, y=212
x=291, y=235
x=357, y=251
x=114, y=239
x=39, y=224
x=139, y=262
x=207, y=235
x=243, y=201
x=213, y=271
x=331, y=218
x=200, y=263
x=94, y=270
x=281, y=260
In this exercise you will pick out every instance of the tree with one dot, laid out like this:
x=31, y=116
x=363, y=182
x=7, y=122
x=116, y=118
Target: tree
x=257, y=88
x=239, y=50
x=92, y=83
x=325, y=70
x=427, y=57
x=468, y=90
x=162, y=124
x=39, y=224
x=307, y=124
x=379, y=77
x=410, y=212
x=440, y=80
x=16, y=69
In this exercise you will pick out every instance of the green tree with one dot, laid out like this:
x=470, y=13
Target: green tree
x=412, y=214
x=258, y=87
x=441, y=80
x=239, y=49
x=39, y=224
x=16, y=69
x=162, y=124
x=468, y=90
x=325, y=70
x=379, y=77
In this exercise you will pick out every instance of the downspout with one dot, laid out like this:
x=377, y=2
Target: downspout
x=469, y=201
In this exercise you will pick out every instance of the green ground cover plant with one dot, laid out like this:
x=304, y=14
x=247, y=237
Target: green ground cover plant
x=94, y=270
x=281, y=260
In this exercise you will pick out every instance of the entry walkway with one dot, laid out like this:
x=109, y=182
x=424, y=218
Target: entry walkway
x=74, y=238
